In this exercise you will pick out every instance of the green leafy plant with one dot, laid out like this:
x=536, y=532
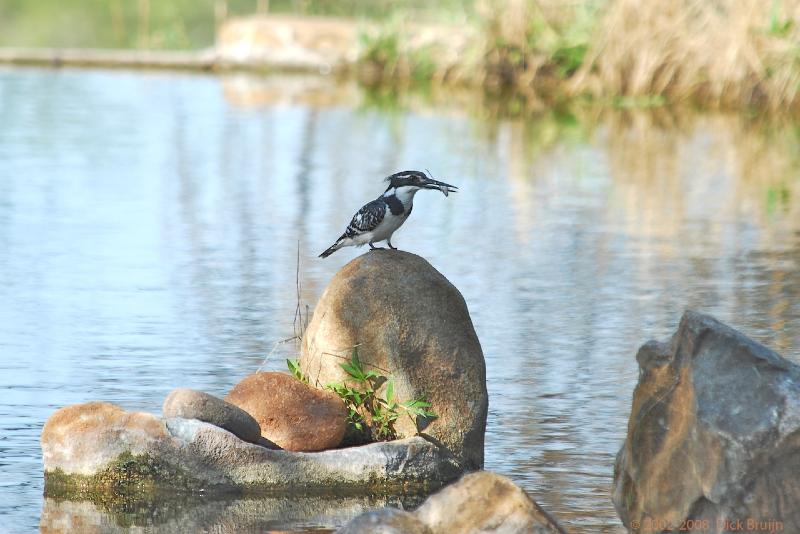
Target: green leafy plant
x=294, y=368
x=368, y=413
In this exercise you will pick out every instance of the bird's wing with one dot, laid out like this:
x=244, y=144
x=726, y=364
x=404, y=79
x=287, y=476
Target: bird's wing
x=367, y=218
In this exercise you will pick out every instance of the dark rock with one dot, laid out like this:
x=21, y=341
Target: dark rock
x=193, y=404
x=713, y=436
x=385, y=521
x=293, y=415
x=413, y=325
x=485, y=502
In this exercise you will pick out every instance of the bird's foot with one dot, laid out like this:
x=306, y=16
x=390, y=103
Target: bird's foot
x=390, y=246
x=373, y=247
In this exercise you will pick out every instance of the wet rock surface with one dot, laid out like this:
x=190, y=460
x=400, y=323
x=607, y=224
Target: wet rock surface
x=291, y=414
x=713, y=436
x=193, y=404
x=478, y=503
x=411, y=324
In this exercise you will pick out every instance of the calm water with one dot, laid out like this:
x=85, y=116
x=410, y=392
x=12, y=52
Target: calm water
x=149, y=226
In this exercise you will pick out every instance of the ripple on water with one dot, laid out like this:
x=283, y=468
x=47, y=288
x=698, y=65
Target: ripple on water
x=149, y=230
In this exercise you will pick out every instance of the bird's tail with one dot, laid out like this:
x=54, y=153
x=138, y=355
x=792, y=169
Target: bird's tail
x=333, y=248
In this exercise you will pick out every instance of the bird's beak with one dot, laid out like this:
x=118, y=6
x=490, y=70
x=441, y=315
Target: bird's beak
x=446, y=189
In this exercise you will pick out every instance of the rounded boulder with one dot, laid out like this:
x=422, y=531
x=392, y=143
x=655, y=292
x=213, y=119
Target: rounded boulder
x=485, y=502
x=193, y=404
x=291, y=414
x=411, y=325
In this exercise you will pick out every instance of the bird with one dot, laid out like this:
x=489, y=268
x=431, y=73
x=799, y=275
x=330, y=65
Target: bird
x=377, y=220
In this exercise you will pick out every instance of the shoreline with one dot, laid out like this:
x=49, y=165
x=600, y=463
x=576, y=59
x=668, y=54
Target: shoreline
x=520, y=53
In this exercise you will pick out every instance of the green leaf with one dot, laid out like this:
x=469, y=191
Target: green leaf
x=390, y=391
x=353, y=371
x=416, y=403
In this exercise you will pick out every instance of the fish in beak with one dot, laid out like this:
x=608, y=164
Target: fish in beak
x=446, y=189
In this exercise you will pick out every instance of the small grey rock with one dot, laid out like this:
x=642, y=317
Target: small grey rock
x=193, y=404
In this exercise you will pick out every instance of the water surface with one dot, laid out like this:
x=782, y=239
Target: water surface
x=150, y=225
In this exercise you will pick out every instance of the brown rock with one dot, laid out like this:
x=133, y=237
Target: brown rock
x=485, y=502
x=293, y=415
x=411, y=324
x=713, y=436
x=83, y=438
x=193, y=404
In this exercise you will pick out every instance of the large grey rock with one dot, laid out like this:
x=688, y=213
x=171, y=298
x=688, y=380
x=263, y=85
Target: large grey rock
x=385, y=521
x=412, y=324
x=95, y=447
x=713, y=436
x=192, y=404
x=479, y=503
x=291, y=414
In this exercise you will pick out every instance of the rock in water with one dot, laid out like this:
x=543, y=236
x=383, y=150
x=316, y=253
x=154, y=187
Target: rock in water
x=713, y=436
x=193, y=404
x=84, y=438
x=485, y=502
x=293, y=415
x=410, y=323
x=479, y=503
x=98, y=451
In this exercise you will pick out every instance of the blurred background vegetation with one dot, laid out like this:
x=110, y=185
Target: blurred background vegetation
x=180, y=24
x=627, y=53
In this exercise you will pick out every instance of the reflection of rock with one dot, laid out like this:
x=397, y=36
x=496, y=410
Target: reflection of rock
x=293, y=415
x=714, y=434
x=94, y=449
x=480, y=502
x=247, y=90
x=385, y=521
x=413, y=325
x=193, y=404
x=201, y=514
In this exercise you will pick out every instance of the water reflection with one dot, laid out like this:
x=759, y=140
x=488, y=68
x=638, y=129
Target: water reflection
x=150, y=223
x=198, y=514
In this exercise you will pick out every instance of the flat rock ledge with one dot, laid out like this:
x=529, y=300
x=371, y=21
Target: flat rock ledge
x=96, y=449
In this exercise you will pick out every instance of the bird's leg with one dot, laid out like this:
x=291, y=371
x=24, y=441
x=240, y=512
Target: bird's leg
x=389, y=242
x=373, y=247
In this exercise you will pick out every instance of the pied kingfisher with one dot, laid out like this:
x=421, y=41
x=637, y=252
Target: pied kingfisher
x=378, y=220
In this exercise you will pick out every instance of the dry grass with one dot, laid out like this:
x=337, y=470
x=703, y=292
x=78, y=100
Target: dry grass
x=720, y=52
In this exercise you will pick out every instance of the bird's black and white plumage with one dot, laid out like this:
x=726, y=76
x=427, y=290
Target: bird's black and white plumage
x=378, y=220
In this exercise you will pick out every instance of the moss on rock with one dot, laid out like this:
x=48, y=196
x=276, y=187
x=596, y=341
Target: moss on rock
x=139, y=476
